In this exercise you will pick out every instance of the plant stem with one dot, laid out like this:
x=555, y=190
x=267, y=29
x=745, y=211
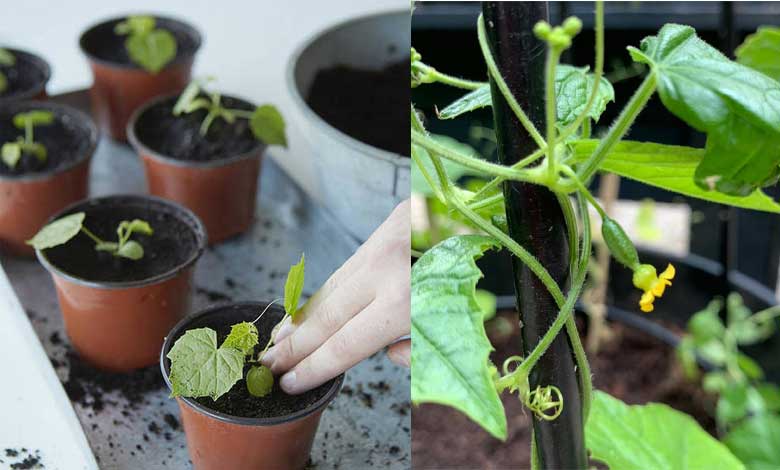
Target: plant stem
x=447, y=79
x=272, y=338
x=492, y=184
x=553, y=56
x=91, y=235
x=28, y=131
x=620, y=127
x=503, y=87
x=585, y=129
x=242, y=113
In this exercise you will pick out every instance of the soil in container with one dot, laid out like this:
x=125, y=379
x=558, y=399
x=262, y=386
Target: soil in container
x=628, y=367
x=27, y=78
x=179, y=137
x=364, y=104
x=172, y=243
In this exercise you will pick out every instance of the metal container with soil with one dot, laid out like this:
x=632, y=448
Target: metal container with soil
x=120, y=86
x=117, y=311
x=347, y=93
x=215, y=175
x=34, y=189
x=241, y=431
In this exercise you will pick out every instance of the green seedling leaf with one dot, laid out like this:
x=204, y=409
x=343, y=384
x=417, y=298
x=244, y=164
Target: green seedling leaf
x=131, y=249
x=293, y=287
x=243, y=336
x=58, y=232
x=754, y=442
x=11, y=153
x=732, y=404
x=137, y=24
x=651, y=436
x=706, y=324
x=7, y=58
x=761, y=50
x=450, y=364
x=259, y=381
x=267, y=125
x=749, y=367
x=185, y=101
x=35, y=118
x=715, y=382
x=737, y=107
x=153, y=50
x=471, y=101
x=668, y=167
x=573, y=86
x=137, y=226
x=487, y=303
x=200, y=369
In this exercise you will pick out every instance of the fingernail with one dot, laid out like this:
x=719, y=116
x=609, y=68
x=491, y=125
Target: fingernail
x=284, y=331
x=268, y=358
x=288, y=383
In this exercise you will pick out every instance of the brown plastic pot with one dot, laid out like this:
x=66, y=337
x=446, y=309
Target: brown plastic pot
x=29, y=199
x=218, y=441
x=29, y=78
x=119, y=326
x=221, y=192
x=119, y=88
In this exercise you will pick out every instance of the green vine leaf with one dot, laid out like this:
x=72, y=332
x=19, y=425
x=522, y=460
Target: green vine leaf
x=148, y=47
x=668, y=167
x=737, y=107
x=451, y=349
x=755, y=440
x=761, y=50
x=200, y=369
x=471, y=101
x=243, y=336
x=267, y=125
x=293, y=287
x=58, y=232
x=573, y=86
x=651, y=436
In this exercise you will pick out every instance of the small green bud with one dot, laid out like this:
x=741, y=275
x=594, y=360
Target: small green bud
x=542, y=30
x=559, y=39
x=416, y=55
x=619, y=244
x=572, y=26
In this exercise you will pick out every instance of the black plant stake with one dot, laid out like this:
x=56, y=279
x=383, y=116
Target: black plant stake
x=535, y=220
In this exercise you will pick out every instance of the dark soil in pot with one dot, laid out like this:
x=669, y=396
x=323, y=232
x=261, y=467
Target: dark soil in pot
x=238, y=401
x=365, y=104
x=632, y=366
x=68, y=139
x=101, y=42
x=179, y=137
x=26, y=78
x=174, y=241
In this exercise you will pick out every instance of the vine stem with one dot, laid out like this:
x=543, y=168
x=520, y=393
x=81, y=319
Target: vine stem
x=553, y=56
x=447, y=79
x=501, y=84
x=620, y=127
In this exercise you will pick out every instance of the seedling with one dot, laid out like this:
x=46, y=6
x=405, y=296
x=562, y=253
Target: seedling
x=12, y=152
x=64, y=229
x=199, y=368
x=266, y=121
x=6, y=59
x=148, y=46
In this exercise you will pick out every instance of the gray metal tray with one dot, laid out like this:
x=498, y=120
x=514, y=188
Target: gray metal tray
x=366, y=426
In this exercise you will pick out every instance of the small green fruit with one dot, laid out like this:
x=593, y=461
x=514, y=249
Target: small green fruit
x=259, y=381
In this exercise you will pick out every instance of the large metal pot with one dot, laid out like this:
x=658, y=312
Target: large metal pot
x=360, y=184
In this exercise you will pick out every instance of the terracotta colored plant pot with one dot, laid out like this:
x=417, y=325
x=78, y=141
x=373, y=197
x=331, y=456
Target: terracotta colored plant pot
x=119, y=88
x=120, y=325
x=31, y=74
x=30, y=198
x=221, y=192
x=218, y=441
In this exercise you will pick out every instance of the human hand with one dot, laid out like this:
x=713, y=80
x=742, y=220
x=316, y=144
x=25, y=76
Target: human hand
x=363, y=307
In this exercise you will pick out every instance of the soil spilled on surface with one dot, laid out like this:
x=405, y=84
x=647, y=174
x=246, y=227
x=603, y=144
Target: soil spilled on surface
x=632, y=366
x=179, y=137
x=21, y=459
x=366, y=104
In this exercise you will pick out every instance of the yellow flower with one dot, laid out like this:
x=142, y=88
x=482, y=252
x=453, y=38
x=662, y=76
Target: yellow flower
x=653, y=285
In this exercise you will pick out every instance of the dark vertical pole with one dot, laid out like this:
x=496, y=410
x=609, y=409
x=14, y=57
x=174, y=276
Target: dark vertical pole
x=536, y=222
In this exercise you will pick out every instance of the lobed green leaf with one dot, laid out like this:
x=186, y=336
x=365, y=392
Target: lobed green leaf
x=573, y=86
x=152, y=50
x=761, y=51
x=755, y=440
x=451, y=349
x=243, y=336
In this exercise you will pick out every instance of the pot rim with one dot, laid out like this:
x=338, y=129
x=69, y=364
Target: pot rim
x=196, y=225
x=146, y=152
x=300, y=102
x=187, y=27
x=240, y=420
x=82, y=117
x=39, y=62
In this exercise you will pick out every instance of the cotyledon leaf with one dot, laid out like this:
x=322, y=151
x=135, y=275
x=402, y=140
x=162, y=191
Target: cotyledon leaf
x=451, y=348
x=652, y=436
x=737, y=107
x=669, y=167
